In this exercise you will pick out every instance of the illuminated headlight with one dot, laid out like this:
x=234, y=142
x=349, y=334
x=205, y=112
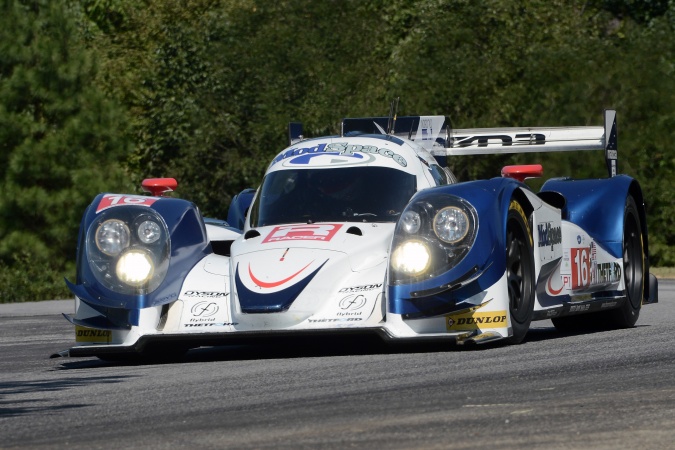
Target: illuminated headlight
x=451, y=224
x=149, y=232
x=112, y=236
x=411, y=222
x=135, y=267
x=434, y=234
x=128, y=250
x=411, y=257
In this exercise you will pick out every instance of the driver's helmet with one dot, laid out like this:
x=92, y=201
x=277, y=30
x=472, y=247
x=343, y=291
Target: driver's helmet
x=333, y=184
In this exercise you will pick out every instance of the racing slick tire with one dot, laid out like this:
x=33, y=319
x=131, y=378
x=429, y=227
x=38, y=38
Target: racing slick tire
x=519, y=272
x=633, y=270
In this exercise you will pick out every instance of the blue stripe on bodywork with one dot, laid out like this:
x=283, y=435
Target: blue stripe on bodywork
x=254, y=302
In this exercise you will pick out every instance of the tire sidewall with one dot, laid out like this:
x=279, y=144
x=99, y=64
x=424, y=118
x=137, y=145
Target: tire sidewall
x=517, y=219
x=627, y=315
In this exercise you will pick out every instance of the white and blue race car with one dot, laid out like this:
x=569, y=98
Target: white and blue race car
x=368, y=232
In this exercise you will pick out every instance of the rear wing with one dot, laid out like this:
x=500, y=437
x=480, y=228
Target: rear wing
x=435, y=134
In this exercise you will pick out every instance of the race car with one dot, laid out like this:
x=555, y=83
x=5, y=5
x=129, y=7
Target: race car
x=369, y=233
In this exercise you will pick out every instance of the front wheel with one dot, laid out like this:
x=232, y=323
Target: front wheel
x=519, y=272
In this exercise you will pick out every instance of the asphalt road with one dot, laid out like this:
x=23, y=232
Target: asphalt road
x=612, y=389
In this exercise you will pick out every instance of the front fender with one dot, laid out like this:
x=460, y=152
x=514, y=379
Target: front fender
x=483, y=265
x=188, y=244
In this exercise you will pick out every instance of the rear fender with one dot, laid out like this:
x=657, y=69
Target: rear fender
x=597, y=206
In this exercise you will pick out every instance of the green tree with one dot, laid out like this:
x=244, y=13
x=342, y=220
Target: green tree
x=212, y=84
x=62, y=140
x=515, y=63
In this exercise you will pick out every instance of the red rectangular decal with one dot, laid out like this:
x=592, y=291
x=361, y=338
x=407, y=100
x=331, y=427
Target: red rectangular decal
x=309, y=232
x=110, y=200
x=581, y=267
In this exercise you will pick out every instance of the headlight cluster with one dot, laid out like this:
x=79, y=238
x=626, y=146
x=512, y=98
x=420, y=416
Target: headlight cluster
x=432, y=236
x=128, y=250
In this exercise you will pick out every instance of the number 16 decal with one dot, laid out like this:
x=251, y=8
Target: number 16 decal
x=110, y=200
x=581, y=267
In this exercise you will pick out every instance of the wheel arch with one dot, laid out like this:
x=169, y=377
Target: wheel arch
x=518, y=194
x=598, y=206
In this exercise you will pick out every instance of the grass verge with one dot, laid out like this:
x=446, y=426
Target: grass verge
x=663, y=272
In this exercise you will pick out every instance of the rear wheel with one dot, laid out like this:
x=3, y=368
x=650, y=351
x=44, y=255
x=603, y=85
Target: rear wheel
x=633, y=270
x=519, y=272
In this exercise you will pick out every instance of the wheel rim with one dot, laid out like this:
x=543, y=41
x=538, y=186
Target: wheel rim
x=516, y=275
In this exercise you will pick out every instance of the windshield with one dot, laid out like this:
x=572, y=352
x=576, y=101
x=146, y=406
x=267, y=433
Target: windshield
x=352, y=194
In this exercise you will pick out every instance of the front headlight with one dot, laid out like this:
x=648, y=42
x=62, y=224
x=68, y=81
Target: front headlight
x=451, y=224
x=433, y=235
x=148, y=232
x=128, y=249
x=135, y=267
x=412, y=257
x=410, y=222
x=112, y=236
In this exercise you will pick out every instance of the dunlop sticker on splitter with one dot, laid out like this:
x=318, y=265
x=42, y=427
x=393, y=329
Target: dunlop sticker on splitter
x=84, y=334
x=473, y=320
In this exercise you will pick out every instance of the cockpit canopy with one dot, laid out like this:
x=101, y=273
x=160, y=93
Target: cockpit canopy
x=348, y=194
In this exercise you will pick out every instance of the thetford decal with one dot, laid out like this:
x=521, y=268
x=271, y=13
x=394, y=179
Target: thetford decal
x=359, y=153
x=209, y=324
x=110, y=200
x=309, y=232
x=341, y=319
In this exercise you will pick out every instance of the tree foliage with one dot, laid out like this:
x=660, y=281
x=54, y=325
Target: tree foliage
x=61, y=138
x=96, y=92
